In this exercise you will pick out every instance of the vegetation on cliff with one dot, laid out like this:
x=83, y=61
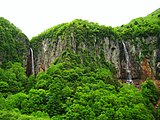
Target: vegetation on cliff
x=141, y=27
x=82, y=29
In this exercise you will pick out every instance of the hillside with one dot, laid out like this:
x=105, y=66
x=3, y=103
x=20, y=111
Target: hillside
x=74, y=71
x=13, y=43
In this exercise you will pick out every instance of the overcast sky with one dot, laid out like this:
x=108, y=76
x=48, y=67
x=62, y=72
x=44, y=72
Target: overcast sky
x=34, y=16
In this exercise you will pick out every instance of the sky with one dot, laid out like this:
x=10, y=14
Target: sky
x=35, y=16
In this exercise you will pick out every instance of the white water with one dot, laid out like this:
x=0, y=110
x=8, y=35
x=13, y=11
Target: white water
x=128, y=71
x=32, y=60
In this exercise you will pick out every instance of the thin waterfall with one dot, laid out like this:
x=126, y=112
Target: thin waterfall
x=128, y=71
x=32, y=60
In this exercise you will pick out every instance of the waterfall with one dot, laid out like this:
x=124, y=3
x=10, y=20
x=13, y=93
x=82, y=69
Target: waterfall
x=128, y=71
x=32, y=61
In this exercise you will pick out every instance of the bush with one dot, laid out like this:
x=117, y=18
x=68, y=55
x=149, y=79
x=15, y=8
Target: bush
x=150, y=91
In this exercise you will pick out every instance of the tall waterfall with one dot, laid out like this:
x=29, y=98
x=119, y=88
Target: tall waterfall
x=32, y=60
x=128, y=71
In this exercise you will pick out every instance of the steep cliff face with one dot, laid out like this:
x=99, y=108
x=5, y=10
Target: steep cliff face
x=89, y=41
x=142, y=35
x=93, y=43
x=87, y=53
x=142, y=53
x=13, y=44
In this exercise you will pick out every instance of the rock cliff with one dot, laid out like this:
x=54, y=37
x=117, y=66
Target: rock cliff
x=94, y=43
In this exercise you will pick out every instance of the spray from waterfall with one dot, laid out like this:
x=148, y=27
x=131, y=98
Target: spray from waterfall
x=32, y=60
x=128, y=71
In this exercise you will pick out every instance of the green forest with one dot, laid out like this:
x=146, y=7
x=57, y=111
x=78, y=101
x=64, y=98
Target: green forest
x=68, y=89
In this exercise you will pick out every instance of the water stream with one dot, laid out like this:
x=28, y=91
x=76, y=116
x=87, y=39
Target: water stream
x=32, y=60
x=128, y=71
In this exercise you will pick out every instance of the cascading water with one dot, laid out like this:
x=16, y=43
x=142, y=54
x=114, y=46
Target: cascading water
x=128, y=71
x=32, y=60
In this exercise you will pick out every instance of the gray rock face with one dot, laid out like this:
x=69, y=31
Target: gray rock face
x=113, y=51
x=52, y=49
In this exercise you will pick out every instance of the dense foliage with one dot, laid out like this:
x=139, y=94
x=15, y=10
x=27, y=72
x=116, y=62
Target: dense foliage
x=13, y=43
x=13, y=79
x=71, y=91
x=141, y=27
x=82, y=29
